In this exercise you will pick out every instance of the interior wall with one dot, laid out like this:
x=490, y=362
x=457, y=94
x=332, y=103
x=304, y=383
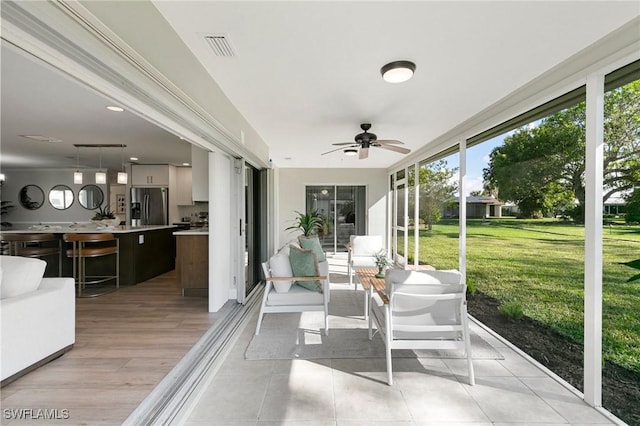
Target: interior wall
x=291, y=195
x=21, y=217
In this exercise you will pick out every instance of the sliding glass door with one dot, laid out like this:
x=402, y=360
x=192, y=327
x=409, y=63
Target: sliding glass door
x=343, y=212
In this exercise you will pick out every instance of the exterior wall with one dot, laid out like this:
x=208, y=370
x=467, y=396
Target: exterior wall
x=291, y=195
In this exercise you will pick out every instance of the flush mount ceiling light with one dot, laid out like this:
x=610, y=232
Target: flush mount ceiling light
x=133, y=158
x=351, y=151
x=114, y=108
x=398, y=71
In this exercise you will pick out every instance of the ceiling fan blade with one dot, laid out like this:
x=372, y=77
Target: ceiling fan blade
x=399, y=149
x=364, y=153
x=344, y=143
x=389, y=141
x=333, y=150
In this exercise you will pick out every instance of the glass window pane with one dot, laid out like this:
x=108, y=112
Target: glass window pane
x=621, y=244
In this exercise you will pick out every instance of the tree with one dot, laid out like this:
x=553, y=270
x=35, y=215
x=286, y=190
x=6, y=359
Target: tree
x=540, y=168
x=633, y=207
x=436, y=188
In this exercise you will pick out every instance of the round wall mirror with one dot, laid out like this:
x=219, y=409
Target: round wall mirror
x=90, y=197
x=61, y=197
x=31, y=197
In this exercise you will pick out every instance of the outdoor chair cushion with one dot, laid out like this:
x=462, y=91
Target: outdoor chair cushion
x=297, y=295
x=281, y=267
x=312, y=243
x=305, y=264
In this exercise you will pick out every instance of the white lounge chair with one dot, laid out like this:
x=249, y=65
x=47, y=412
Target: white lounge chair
x=282, y=295
x=422, y=310
x=362, y=252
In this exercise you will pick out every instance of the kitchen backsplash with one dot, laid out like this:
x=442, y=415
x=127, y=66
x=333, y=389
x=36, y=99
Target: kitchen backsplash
x=196, y=209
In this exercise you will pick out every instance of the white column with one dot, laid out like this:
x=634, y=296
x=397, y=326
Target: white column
x=462, y=208
x=221, y=214
x=593, y=241
x=416, y=215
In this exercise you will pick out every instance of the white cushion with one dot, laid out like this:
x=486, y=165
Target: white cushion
x=280, y=267
x=366, y=245
x=363, y=262
x=434, y=282
x=296, y=296
x=20, y=275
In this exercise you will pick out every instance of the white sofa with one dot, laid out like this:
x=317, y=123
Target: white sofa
x=37, y=316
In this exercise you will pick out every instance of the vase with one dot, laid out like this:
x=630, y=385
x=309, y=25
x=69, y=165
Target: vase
x=380, y=273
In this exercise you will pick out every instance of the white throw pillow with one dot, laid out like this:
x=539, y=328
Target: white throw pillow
x=281, y=267
x=20, y=275
x=366, y=245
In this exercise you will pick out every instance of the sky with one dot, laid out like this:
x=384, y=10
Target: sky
x=477, y=160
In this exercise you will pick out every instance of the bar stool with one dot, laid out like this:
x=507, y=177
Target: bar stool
x=34, y=245
x=93, y=246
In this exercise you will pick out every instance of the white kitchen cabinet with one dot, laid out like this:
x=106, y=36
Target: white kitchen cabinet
x=200, y=174
x=150, y=175
x=184, y=186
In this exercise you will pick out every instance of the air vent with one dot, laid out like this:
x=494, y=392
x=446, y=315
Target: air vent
x=220, y=45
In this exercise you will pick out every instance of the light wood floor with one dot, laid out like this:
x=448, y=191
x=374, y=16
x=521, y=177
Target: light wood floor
x=126, y=342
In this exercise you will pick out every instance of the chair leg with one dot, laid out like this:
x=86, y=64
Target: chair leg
x=326, y=307
x=388, y=335
x=350, y=273
x=267, y=288
x=467, y=347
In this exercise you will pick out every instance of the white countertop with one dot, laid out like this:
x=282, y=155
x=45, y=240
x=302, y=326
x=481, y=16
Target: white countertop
x=191, y=232
x=87, y=228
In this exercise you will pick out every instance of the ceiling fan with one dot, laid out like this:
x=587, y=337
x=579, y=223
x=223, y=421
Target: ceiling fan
x=366, y=140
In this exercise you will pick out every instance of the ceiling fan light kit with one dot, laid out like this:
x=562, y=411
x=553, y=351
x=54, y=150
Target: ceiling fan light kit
x=398, y=71
x=351, y=151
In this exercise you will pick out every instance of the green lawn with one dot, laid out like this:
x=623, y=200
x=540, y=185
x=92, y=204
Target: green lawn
x=540, y=264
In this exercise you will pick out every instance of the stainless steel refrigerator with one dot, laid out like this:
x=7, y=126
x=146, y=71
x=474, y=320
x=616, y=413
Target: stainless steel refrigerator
x=149, y=206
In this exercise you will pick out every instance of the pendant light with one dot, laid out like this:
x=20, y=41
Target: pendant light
x=101, y=177
x=122, y=176
x=77, y=175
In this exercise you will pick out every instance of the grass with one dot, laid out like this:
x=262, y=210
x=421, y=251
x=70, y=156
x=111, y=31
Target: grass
x=539, y=264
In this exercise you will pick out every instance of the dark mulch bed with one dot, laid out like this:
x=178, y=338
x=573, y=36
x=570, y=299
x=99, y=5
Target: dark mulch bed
x=620, y=386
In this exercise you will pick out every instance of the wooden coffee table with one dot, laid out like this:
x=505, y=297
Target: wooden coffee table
x=370, y=283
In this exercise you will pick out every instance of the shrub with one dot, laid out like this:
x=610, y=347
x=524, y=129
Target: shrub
x=511, y=310
x=471, y=288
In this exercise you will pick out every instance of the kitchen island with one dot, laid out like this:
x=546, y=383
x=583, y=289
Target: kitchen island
x=192, y=261
x=145, y=251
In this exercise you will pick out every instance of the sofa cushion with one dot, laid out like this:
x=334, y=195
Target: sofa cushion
x=305, y=264
x=312, y=243
x=280, y=267
x=20, y=275
x=365, y=245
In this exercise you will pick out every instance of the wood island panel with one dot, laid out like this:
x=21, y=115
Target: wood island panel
x=192, y=264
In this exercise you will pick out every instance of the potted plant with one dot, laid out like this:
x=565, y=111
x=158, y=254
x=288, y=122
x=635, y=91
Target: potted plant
x=308, y=223
x=382, y=262
x=106, y=216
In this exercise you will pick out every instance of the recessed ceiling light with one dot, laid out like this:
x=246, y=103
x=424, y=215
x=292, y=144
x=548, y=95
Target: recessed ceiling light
x=114, y=108
x=186, y=164
x=41, y=138
x=350, y=151
x=398, y=71
x=287, y=158
x=133, y=158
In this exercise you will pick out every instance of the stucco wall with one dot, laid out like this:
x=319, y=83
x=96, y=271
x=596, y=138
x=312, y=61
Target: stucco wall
x=291, y=185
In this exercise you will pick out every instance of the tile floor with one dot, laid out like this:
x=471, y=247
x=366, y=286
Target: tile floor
x=350, y=392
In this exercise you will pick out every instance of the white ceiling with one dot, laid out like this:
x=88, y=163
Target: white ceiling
x=37, y=100
x=306, y=74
